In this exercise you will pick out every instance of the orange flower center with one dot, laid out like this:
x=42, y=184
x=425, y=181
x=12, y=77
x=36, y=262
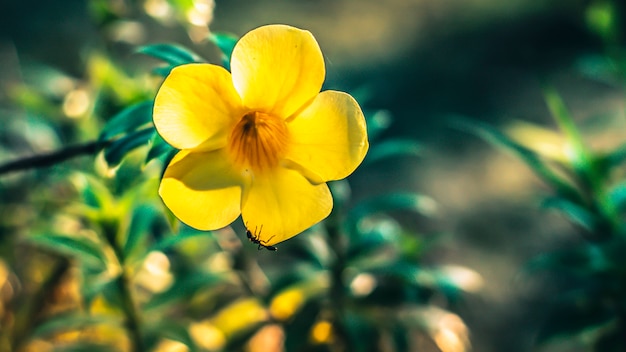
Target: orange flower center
x=258, y=141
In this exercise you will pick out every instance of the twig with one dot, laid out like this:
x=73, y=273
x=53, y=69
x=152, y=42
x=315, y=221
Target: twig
x=52, y=158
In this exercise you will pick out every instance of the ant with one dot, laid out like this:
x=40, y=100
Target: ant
x=254, y=239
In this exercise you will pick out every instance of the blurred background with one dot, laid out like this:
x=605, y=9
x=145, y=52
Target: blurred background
x=421, y=64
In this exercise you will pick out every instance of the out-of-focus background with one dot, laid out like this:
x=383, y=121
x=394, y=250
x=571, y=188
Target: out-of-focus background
x=422, y=63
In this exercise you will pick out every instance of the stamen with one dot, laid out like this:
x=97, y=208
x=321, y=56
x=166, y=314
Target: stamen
x=258, y=141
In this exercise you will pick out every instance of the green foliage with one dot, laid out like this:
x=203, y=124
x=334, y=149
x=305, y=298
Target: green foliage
x=589, y=303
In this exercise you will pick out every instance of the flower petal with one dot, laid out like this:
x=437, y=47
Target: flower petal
x=196, y=106
x=281, y=204
x=329, y=137
x=277, y=69
x=202, y=190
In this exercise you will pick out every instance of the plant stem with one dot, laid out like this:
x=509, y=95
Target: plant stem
x=337, y=289
x=129, y=306
x=52, y=158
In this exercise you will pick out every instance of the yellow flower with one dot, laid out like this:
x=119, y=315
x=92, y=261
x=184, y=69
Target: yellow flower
x=261, y=142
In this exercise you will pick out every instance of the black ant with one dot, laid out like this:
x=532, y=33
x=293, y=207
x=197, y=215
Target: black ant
x=262, y=244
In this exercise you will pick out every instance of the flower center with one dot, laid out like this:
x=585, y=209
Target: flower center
x=258, y=141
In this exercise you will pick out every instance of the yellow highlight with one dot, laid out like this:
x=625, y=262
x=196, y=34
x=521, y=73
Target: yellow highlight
x=322, y=332
x=286, y=304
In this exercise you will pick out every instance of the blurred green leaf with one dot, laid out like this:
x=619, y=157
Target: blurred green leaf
x=400, y=337
x=377, y=123
x=93, y=191
x=83, y=249
x=226, y=43
x=417, y=203
x=184, y=234
x=611, y=339
x=581, y=158
x=185, y=287
x=362, y=334
x=73, y=321
x=531, y=159
x=116, y=151
x=615, y=158
x=173, y=54
x=172, y=330
x=392, y=148
x=158, y=148
x=574, y=212
x=571, y=317
x=581, y=261
x=617, y=196
x=300, y=325
x=127, y=120
x=141, y=222
x=373, y=237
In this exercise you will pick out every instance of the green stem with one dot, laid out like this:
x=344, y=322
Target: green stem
x=337, y=289
x=53, y=158
x=124, y=287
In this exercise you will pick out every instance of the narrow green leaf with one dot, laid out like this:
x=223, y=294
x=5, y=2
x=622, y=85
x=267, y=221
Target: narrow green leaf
x=574, y=212
x=531, y=159
x=116, y=151
x=158, y=148
x=127, y=120
x=81, y=248
x=68, y=322
x=615, y=158
x=142, y=220
x=173, y=54
x=393, y=148
x=581, y=157
x=226, y=43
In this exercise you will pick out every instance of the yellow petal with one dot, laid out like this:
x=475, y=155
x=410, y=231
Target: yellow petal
x=196, y=105
x=329, y=137
x=283, y=203
x=277, y=69
x=202, y=190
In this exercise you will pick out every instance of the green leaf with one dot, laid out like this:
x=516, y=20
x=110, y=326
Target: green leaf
x=377, y=123
x=174, y=240
x=531, y=159
x=582, y=261
x=574, y=212
x=616, y=158
x=158, y=147
x=185, y=287
x=372, y=237
x=173, y=54
x=417, y=203
x=171, y=330
x=127, y=120
x=142, y=220
x=68, y=322
x=617, y=196
x=576, y=315
x=226, y=43
x=116, y=151
x=81, y=248
x=392, y=148
x=581, y=158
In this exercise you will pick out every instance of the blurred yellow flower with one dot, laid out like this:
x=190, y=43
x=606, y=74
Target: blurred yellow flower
x=262, y=141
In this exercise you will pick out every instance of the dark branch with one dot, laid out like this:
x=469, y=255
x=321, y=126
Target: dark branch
x=52, y=158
